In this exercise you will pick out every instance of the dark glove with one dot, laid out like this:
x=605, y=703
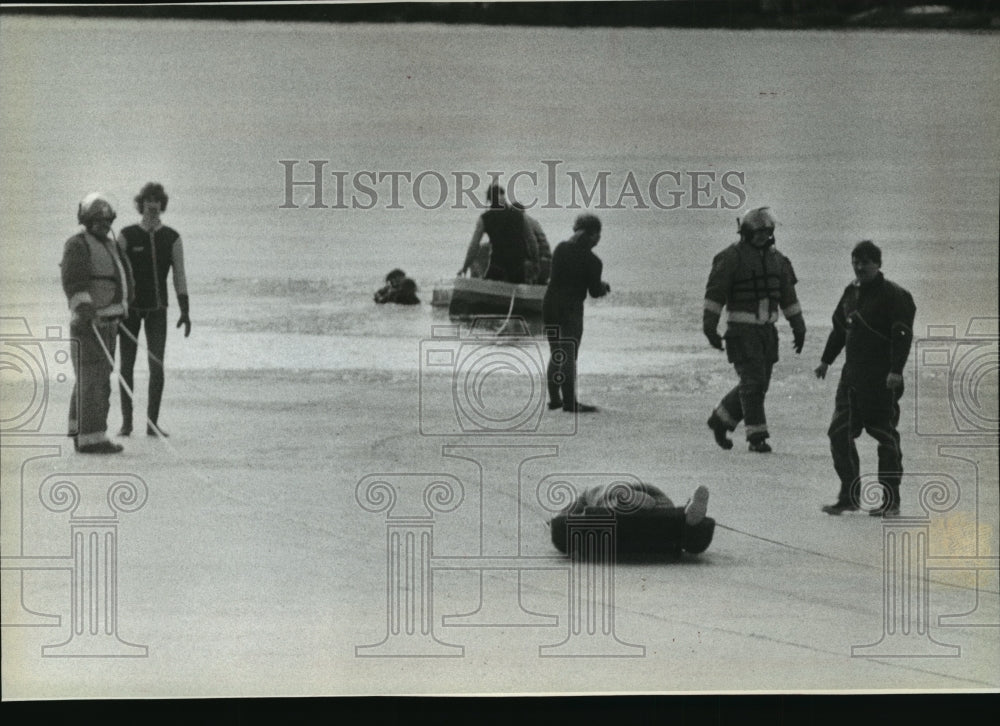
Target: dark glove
x=709, y=325
x=798, y=332
x=184, y=319
x=85, y=313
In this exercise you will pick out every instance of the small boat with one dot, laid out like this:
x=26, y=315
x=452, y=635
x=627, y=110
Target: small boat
x=469, y=297
x=441, y=295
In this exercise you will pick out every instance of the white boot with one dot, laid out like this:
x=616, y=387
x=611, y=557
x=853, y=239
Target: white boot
x=697, y=508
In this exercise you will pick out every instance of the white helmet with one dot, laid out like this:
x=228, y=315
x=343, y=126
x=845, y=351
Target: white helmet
x=757, y=219
x=94, y=206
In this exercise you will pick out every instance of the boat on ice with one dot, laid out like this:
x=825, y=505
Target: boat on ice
x=469, y=297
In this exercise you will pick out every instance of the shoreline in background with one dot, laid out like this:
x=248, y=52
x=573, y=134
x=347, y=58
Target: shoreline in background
x=960, y=15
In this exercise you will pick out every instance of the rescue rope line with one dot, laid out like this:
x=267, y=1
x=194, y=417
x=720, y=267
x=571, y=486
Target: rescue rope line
x=121, y=379
x=846, y=561
x=797, y=549
x=124, y=329
x=510, y=310
x=159, y=434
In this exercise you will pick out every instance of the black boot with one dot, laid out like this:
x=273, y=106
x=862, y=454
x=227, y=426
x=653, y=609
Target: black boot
x=720, y=430
x=101, y=447
x=840, y=507
x=890, y=503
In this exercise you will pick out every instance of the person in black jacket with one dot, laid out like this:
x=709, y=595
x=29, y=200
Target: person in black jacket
x=153, y=250
x=576, y=271
x=874, y=322
x=646, y=521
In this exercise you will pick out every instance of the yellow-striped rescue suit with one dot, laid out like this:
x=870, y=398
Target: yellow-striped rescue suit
x=752, y=284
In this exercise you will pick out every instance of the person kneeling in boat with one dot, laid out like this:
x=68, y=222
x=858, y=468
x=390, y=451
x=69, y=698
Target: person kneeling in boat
x=544, y=263
x=398, y=289
x=513, y=249
x=646, y=521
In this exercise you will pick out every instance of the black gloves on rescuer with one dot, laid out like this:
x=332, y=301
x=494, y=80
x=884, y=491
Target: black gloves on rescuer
x=85, y=312
x=184, y=319
x=709, y=325
x=798, y=332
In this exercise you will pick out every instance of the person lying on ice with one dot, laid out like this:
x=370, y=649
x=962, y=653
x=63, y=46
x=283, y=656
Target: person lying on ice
x=646, y=521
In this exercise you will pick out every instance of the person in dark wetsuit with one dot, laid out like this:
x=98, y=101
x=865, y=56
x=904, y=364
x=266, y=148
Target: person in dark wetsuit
x=154, y=250
x=576, y=271
x=398, y=289
x=646, y=521
x=513, y=250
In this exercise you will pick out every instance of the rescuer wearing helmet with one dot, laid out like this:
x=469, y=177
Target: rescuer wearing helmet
x=97, y=280
x=752, y=280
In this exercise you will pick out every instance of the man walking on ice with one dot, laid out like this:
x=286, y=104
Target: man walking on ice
x=752, y=280
x=874, y=322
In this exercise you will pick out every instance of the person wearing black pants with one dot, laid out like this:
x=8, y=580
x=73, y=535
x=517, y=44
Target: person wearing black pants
x=153, y=250
x=576, y=271
x=156, y=344
x=874, y=322
x=97, y=280
x=753, y=282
